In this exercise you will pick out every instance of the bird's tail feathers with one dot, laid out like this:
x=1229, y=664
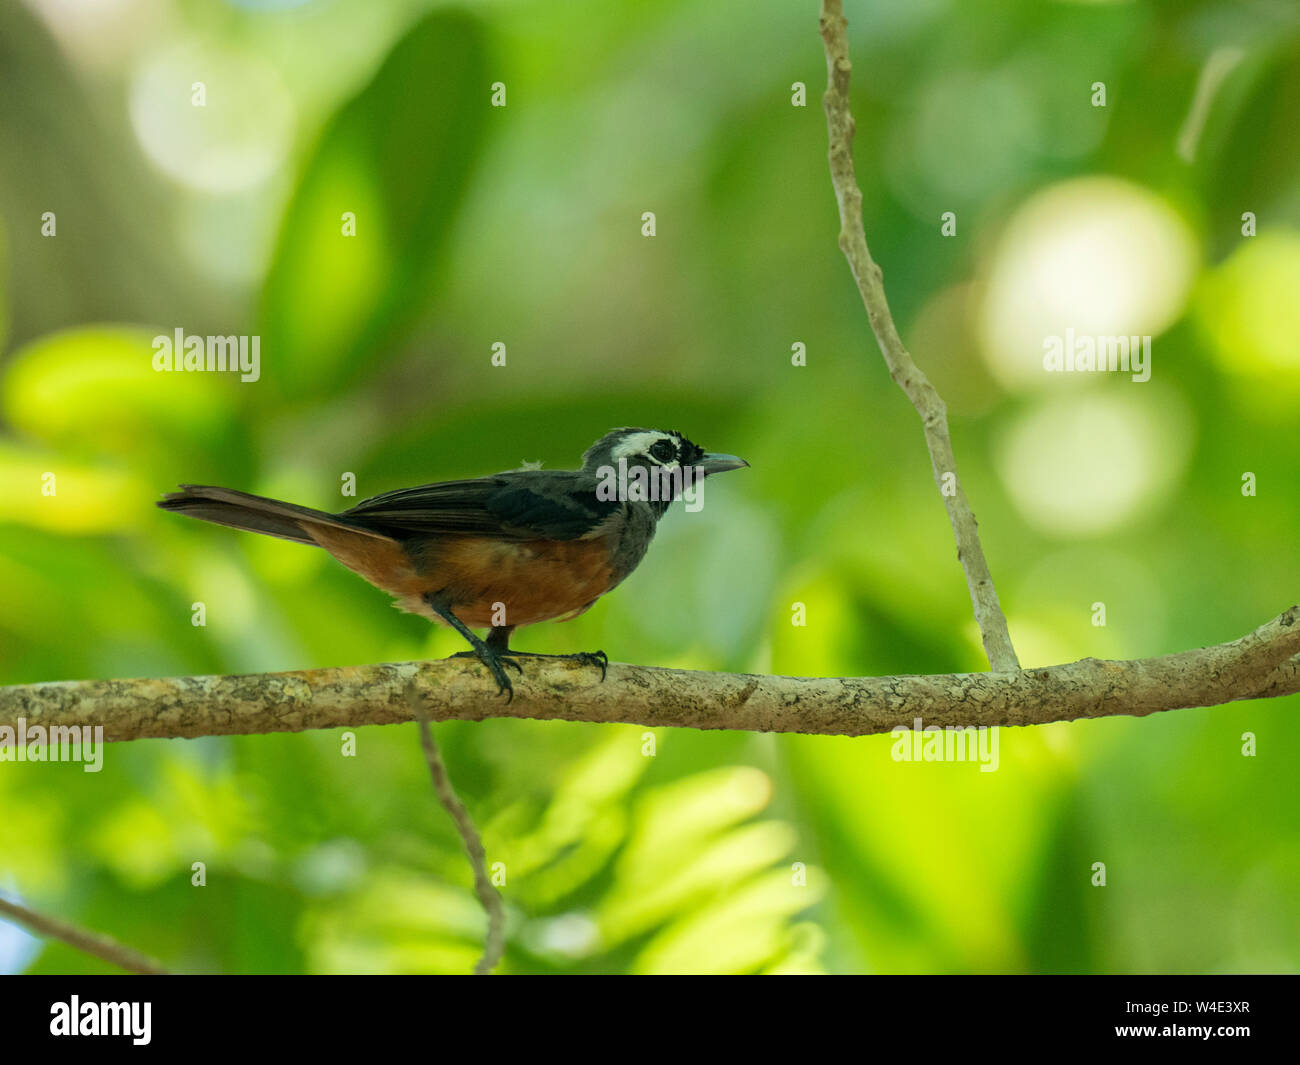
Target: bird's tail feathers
x=241, y=510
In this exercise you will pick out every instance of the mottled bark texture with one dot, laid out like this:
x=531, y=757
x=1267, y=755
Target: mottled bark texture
x=1259, y=665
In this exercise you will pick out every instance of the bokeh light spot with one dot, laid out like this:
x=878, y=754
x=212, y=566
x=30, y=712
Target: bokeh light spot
x=236, y=139
x=1097, y=255
x=1081, y=465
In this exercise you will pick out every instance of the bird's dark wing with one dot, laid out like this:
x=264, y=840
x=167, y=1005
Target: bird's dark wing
x=525, y=505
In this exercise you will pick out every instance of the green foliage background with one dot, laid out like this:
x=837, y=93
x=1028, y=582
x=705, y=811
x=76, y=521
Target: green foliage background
x=523, y=225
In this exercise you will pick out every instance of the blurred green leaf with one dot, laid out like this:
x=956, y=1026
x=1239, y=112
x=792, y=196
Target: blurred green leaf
x=93, y=391
x=398, y=156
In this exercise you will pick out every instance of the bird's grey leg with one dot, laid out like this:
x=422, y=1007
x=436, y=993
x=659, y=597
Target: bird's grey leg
x=494, y=653
x=499, y=639
x=496, y=650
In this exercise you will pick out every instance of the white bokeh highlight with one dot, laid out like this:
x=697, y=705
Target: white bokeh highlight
x=233, y=143
x=1098, y=255
x=1079, y=465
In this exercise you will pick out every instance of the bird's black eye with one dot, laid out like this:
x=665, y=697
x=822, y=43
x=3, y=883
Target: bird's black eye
x=663, y=451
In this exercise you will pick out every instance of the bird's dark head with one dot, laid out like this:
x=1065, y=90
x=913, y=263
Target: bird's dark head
x=655, y=449
x=653, y=466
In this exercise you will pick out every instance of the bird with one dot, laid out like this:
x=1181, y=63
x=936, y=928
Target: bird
x=497, y=552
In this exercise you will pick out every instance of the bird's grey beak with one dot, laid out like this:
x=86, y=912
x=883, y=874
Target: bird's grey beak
x=716, y=463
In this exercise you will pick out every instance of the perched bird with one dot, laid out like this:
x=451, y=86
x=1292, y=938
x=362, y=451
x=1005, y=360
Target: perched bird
x=494, y=552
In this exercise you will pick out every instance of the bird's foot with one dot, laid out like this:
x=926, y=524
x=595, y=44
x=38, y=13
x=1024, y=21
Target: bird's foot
x=584, y=658
x=496, y=661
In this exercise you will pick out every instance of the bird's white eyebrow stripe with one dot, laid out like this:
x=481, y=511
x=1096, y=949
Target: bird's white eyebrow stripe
x=636, y=445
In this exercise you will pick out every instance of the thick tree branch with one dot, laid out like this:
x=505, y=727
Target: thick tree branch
x=102, y=947
x=928, y=404
x=1259, y=665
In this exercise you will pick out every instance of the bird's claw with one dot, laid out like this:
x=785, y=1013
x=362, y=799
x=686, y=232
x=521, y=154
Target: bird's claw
x=494, y=662
x=583, y=658
x=595, y=658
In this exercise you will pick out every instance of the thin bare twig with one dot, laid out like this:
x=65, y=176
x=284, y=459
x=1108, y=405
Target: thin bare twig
x=100, y=946
x=902, y=368
x=494, y=945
